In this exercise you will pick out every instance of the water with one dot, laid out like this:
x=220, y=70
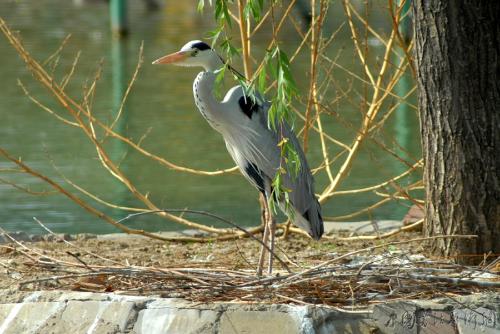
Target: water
x=161, y=106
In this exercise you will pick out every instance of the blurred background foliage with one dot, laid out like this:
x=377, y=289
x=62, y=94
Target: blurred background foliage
x=339, y=89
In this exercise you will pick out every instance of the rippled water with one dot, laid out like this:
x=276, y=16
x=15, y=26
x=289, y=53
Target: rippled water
x=160, y=105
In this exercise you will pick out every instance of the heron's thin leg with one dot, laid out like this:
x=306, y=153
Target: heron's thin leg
x=265, y=236
x=272, y=231
x=263, y=250
x=264, y=209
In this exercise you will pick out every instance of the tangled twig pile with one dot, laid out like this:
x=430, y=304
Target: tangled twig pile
x=349, y=280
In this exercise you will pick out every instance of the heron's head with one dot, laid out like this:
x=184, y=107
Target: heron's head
x=194, y=53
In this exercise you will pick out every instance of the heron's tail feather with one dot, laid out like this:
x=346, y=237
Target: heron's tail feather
x=310, y=221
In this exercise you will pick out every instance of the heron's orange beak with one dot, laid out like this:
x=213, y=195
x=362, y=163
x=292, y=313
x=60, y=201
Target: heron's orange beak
x=172, y=58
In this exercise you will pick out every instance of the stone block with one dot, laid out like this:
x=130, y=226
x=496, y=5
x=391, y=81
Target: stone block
x=477, y=320
x=326, y=321
x=160, y=320
x=397, y=318
x=28, y=317
x=256, y=322
x=426, y=317
x=95, y=317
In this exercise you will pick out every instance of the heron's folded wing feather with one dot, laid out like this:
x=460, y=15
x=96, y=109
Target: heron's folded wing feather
x=251, y=141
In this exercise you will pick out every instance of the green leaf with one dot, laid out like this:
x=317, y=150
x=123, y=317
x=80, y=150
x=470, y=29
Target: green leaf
x=271, y=116
x=247, y=10
x=293, y=161
x=283, y=142
x=288, y=209
x=222, y=12
x=229, y=49
x=277, y=186
x=262, y=79
x=219, y=80
x=215, y=34
x=218, y=10
x=271, y=204
x=285, y=75
x=254, y=7
x=201, y=5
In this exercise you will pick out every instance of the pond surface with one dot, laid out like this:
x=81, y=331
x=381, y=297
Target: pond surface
x=160, y=105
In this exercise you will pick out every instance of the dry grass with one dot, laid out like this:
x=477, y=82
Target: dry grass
x=325, y=273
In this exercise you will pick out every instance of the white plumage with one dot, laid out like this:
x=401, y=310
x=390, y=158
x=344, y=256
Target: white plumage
x=251, y=143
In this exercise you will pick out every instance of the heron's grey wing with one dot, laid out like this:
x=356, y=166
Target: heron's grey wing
x=249, y=170
x=302, y=185
x=306, y=212
x=253, y=145
x=254, y=148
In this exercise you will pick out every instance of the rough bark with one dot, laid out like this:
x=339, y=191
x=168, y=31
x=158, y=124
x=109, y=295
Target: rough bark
x=457, y=59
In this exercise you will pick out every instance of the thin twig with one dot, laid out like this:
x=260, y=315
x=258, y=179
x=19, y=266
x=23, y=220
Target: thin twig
x=369, y=249
x=208, y=214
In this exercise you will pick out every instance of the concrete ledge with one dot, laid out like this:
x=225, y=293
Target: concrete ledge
x=358, y=228
x=82, y=312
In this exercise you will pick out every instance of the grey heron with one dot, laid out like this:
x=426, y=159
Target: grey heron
x=254, y=145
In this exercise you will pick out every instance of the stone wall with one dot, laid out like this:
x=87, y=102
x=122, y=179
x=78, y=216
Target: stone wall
x=84, y=312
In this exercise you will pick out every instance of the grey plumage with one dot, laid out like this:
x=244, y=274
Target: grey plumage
x=306, y=211
x=252, y=144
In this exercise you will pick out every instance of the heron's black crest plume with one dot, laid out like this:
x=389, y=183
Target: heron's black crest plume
x=201, y=46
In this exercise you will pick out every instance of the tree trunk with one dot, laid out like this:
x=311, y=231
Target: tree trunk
x=458, y=71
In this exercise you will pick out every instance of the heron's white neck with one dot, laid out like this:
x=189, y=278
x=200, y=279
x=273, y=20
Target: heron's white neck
x=212, y=63
x=203, y=90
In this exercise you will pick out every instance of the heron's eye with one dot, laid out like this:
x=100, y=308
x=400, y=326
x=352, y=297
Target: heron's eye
x=194, y=53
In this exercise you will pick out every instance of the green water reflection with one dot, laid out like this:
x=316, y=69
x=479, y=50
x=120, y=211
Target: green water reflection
x=160, y=105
